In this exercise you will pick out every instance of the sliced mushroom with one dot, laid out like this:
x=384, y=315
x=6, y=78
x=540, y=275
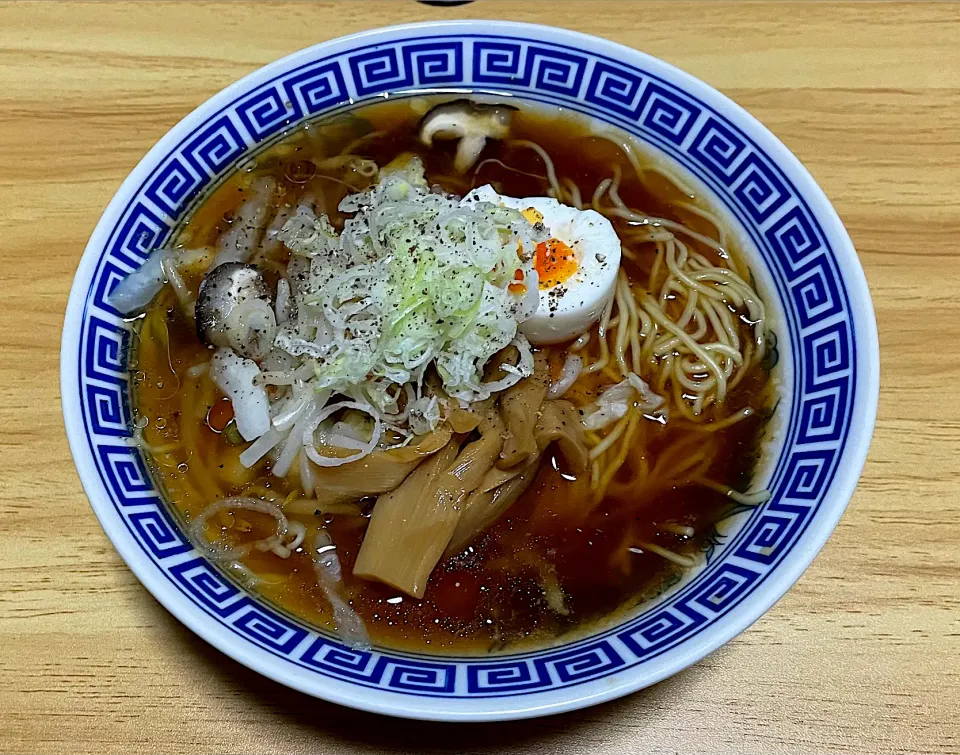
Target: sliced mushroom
x=469, y=122
x=233, y=310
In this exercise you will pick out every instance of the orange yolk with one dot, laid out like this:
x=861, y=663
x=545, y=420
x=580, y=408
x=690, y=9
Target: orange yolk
x=555, y=263
x=518, y=286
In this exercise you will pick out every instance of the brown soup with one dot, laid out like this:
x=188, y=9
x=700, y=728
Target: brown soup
x=559, y=560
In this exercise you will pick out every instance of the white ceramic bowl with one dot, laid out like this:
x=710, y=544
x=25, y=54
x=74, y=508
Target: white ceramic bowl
x=807, y=266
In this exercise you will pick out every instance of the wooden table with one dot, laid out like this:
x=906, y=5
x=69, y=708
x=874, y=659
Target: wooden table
x=861, y=656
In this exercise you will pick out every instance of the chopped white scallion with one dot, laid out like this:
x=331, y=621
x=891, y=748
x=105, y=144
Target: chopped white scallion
x=238, y=378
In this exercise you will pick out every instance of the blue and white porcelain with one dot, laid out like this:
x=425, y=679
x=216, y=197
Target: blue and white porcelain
x=801, y=252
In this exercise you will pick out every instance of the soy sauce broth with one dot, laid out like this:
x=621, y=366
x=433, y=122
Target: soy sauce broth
x=502, y=591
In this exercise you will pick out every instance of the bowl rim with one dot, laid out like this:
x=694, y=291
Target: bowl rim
x=853, y=453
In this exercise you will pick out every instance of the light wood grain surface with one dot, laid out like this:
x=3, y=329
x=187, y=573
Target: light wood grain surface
x=861, y=656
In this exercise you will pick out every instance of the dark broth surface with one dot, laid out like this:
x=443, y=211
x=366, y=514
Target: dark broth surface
x=491, y=596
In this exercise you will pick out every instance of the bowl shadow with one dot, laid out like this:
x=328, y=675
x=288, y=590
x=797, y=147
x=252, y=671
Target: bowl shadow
x=348, y=730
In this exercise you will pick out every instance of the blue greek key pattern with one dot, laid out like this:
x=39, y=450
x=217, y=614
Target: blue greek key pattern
x=157, y=531
x=109, y=409
x=278, y=106
x=507, y=676
x=793, y=239
x=818, y=331
x=814, y=291
x=268, y=628
x=215, y=147
x=208, y=586
x=758, y=188
x=617, y=89
x=773, y=532
x=529, y=66
x=424, y=64
x=821, y=413
x=218, y=595
x=108, y=276
x=175, y=186
x=106, y=350
x=334, y=658
x=267, y=111
x=592, y=660
x=555, y=71
x=827, y=355
x=667, y=113
x=707, y=599
x=141, y=232
x=315, y=89
x=718, y=149
x=209, y=153
x=589, y=661
x=376, y=668
x=421, y=677
x=127, y=475
x=805, y=474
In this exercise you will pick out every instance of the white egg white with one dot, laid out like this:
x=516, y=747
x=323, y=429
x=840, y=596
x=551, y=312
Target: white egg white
x=567, y=309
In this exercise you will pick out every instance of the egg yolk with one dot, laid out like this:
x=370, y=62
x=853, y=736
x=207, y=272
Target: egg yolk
x=555, y=263
x=532, y=215
x=517, y=286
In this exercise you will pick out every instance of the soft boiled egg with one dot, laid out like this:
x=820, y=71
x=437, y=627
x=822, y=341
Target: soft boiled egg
x=577, y=265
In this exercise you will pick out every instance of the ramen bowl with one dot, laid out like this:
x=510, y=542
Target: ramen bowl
x=799, y=252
